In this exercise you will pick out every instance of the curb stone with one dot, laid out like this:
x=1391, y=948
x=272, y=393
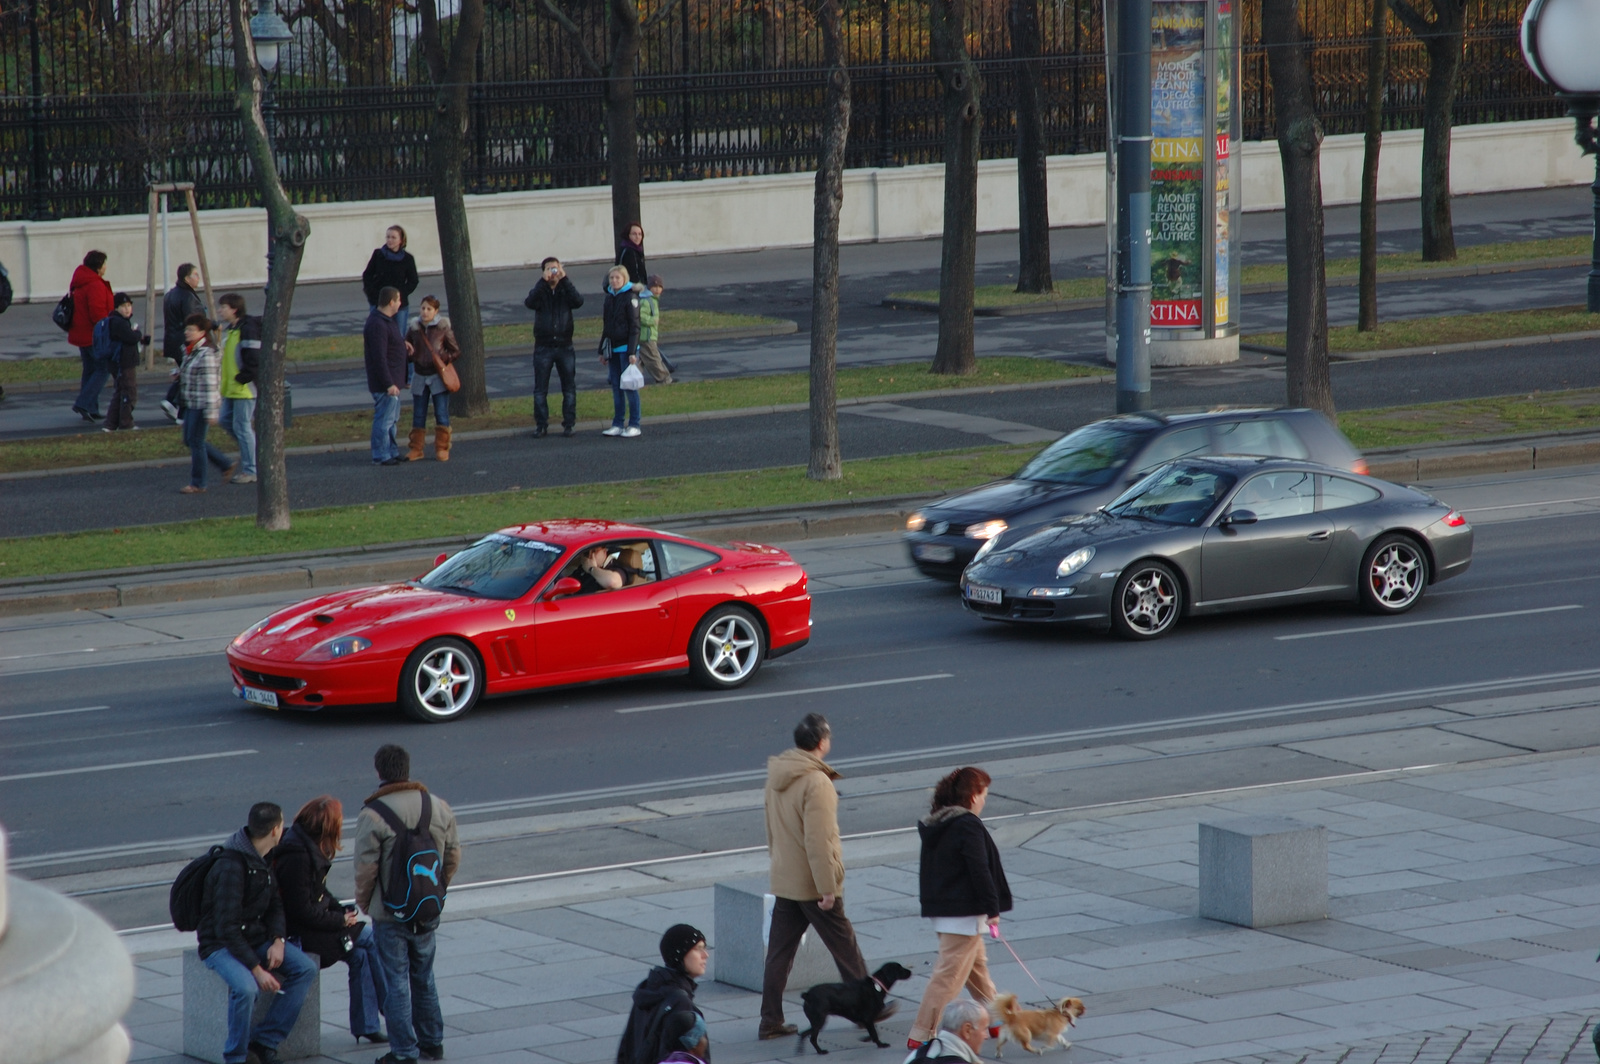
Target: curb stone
x=1437, y=349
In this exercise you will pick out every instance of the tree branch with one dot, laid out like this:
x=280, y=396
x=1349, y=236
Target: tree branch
x=432, y=46
x=661, y=15
x=572, y=31
x=1411, y=17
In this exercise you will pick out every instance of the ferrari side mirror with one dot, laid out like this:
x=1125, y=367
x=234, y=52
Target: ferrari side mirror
x=440, y=560
x=567, y=585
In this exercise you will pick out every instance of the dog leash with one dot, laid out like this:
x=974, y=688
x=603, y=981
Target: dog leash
x=1020, y=963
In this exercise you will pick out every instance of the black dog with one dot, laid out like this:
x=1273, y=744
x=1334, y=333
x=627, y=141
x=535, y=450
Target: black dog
x=860, y=1002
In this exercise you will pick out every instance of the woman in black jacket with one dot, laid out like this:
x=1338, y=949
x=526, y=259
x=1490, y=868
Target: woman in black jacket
x=630, y=253
x=619, y=349
x=391, y=266
x=317, y=923
x=963, y=888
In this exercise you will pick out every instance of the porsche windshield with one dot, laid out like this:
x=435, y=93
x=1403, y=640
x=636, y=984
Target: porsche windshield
x=1086, y=458
x=497, y=567
x=1174, y=495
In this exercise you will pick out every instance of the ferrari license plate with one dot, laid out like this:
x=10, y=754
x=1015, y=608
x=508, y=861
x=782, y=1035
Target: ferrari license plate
x=260, y=698
x=934, y=552
x=988, y=595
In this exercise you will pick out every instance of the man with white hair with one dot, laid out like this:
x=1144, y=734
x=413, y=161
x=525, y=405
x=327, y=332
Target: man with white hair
x=963, y=1028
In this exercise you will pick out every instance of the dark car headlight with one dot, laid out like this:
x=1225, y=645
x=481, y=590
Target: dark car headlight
x=916, y=522
x=1075, y=561
x=988, y=545
x=337, y=649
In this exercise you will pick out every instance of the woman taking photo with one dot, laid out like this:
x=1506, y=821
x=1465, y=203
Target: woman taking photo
x=391, y=266
x=963, y=890
x=316, y=922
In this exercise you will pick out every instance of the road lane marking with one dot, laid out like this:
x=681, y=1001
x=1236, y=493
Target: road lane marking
x=786, y=694
x=53, y=713
x=1421, y=624
x=1536, y=502
x=124, y=764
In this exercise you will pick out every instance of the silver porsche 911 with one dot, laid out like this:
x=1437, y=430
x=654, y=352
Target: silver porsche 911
x=1206, y=535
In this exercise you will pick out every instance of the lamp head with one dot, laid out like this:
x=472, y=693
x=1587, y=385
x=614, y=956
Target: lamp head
x=269, y=32
x=1560, y=40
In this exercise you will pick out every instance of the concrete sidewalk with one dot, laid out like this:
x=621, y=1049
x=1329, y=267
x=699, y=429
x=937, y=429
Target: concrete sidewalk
x=1465, y=911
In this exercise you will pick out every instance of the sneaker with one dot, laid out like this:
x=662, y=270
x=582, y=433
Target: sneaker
x=227, y=474
x=391, y=461
x=106, y=428
x=540, y=432
x=390, y=1058
x=614, y=430
x=245, y=478
x=631, y=431
x=171, y=411
x=431, y=1052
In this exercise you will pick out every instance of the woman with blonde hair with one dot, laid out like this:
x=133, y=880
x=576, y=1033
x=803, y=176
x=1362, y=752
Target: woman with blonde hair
x=316, y=922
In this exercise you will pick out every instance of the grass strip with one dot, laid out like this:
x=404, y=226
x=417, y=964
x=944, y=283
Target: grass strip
x=738, y=393
x=353, y=526
x=328, y=348
x=1466, y=419
x=1450, y=329
x=1001, y=295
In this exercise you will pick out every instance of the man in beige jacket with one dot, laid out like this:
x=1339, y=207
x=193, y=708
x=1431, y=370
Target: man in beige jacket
x=807, y=867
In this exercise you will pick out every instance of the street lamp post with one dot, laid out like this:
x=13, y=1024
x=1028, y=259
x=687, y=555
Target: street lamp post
x=1560, y=39
x=269, y=33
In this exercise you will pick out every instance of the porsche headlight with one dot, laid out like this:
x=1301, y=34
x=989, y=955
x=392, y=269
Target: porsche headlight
x=335, y=649
x=986, y=529
x=1075, y=561
x=988, y=546
x=916, y=522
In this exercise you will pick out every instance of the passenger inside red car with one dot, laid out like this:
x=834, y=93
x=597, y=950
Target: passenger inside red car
x=592, y=572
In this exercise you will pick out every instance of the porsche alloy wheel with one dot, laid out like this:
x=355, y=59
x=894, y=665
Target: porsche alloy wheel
x=441, y=681
x=727, y=648
x=1394, y=574
x=1147, y=601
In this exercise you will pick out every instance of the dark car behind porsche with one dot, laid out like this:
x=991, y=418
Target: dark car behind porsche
x=1092, y=465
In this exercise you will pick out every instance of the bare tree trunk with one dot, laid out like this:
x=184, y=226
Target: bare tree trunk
x=1299, y=149
x=826, y=462
x=622, y=117
x=1443, y=39
x=1033, y=190
x=453, y=75
x=286, y=231
x=1377, y=64
x=959, y=250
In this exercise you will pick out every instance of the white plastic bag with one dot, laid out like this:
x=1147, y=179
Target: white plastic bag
x=632, y=379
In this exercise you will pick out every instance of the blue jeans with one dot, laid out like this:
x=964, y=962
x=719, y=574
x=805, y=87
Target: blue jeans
x=413, y=1009
x=295, y=976
x=239, y=421
x=621, y=396
x=385, y=413
x=201, y=450
x=94, y=377
x=564, y=361
x=441, y=406
x=369, y=990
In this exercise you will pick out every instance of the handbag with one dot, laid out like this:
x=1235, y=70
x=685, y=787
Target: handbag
x=449, y=377
x=632, y=379
x=62, y=315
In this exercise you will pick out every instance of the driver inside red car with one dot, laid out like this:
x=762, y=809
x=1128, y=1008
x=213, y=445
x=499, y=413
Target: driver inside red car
x=593, y=572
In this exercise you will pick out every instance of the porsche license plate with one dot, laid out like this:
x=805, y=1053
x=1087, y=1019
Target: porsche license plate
x=260, y=698
x=988, y=595
x=934, y=552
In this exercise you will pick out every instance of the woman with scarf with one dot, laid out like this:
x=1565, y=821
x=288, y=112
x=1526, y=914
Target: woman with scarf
x=630, y=253
x=391, y=266
x=963, y=888
x=619, y=349
x=664, y=1020
x=432, y=345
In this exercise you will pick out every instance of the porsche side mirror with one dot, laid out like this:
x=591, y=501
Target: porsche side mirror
x=1240, y=517
x=440, y=560
x=567, y=585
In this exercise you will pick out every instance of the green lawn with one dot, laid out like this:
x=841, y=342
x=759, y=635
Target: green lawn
x=1450, y=329
x=1505, y=415
x=352, y=526
x=160, y=440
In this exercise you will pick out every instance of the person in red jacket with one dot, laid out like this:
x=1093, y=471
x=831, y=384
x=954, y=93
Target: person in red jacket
x=91, y=303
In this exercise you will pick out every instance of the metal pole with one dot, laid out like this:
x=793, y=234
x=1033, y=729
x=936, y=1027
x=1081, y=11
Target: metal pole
x=1133, y=206
x=166, y=251
x=1594, y=257
x=686, y=169
x=1585, y=110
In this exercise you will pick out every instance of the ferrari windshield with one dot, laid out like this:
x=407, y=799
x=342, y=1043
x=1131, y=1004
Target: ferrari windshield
x=497, y=566
x=1086, y=458
x=1174, y=495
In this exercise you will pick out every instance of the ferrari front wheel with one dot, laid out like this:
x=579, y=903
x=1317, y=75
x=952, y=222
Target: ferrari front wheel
x=726, y=648
x=441, y=681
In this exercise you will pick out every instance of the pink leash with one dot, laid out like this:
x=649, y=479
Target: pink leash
x=995, y=928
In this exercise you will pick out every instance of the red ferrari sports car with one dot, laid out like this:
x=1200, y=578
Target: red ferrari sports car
x=532, y=606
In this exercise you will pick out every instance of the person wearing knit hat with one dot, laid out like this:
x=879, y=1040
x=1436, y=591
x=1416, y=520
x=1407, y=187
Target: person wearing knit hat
x=664, y=1013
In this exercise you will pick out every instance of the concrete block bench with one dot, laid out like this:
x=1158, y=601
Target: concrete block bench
x=741, y=914
x=205, y=1014
x=1262, y=871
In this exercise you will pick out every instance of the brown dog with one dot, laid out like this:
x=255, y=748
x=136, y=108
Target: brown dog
x=1026, y=1027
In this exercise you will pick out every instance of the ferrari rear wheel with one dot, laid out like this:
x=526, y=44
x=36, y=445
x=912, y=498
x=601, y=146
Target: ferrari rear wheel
x=441, y=681
x=726, y=648
x=1147, y=601
x=1394, y=574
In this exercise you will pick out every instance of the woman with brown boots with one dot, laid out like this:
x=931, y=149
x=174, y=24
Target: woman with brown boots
x=433, y=350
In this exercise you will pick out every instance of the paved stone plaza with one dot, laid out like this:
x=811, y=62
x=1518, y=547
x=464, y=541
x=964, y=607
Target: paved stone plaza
x=1465, y=918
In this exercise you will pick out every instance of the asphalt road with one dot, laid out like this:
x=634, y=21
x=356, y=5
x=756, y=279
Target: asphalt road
x=118, y=756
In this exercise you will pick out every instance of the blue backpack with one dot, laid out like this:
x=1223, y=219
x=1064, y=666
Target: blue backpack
x=104, y=348
x=415, y=891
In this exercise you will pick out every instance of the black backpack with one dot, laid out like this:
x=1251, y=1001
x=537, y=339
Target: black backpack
x=415, y=892
x=62, y=315
x=6, y=292
x=187, y=899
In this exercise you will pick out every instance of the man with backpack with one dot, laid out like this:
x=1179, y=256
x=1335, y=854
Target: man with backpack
x=241, y=936
x=406, y=853
x=963, y=1027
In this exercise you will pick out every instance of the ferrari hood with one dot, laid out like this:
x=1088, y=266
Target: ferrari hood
x=288, y=634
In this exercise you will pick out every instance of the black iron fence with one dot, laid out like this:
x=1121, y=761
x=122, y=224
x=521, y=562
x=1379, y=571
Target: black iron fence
x=100, y=97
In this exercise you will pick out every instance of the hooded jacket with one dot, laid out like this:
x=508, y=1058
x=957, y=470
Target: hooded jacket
x=310, y=913
x=240, y=910
x=619, y=320
x=803, y=826
x=645, y=1039
x=375, y=840
x=960, y=871
x=91, y=301
x=179, y=302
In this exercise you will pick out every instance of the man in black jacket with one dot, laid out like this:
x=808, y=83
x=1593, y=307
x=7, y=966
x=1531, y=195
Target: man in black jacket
x=181, y=301
x=384, y=350
x=242, y=940
x=552, y=301
x=124, y=364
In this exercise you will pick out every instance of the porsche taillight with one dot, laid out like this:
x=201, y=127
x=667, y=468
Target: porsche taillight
x=1454, y=519
x=1360, y=466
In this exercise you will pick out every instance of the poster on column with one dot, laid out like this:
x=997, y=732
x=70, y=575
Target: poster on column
x=1223, y=59
x=1177, y=162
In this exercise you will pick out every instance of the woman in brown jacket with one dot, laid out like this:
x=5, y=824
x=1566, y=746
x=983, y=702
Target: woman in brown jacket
x=432, y=345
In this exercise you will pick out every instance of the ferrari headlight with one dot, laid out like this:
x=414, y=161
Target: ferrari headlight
x=986, y=529
x=988, y=546
x=916, y=522
x=1075, y=561
x=254, y=629
x=335, y=649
